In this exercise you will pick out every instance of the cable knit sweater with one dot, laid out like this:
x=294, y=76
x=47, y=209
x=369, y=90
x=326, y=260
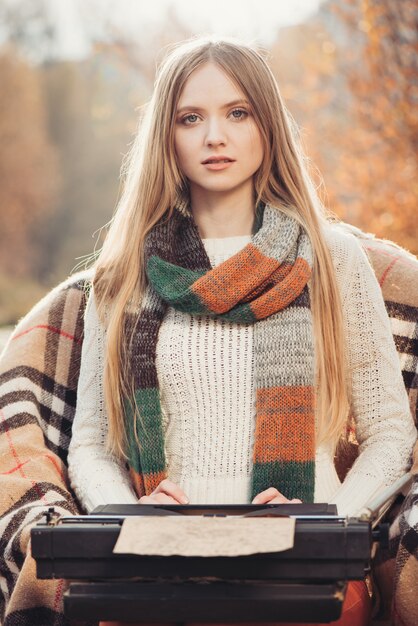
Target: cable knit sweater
x=206, y=380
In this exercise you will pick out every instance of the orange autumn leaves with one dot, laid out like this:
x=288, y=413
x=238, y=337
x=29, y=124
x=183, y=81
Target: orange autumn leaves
x=348, y=78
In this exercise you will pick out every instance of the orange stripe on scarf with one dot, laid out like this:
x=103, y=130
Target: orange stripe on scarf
x=144, y=484
x=285, y=424
x=280, y=296
x=223, y=287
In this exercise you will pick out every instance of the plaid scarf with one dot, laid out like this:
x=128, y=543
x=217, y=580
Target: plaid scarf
x=264, y=284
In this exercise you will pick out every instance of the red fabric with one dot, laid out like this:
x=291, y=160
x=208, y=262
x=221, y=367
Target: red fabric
x=356, y=609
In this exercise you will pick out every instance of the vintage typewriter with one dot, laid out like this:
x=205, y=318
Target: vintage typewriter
x=304, y=583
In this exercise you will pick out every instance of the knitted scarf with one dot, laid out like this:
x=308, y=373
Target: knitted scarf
x=264, y=284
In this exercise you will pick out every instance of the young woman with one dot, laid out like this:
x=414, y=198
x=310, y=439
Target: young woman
x=231, y=330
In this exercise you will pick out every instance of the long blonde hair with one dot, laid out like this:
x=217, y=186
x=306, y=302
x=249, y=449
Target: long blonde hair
x=153, y=184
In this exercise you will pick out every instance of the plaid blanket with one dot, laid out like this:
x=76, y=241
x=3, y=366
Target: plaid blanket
x=396, y=569
x=38, y=382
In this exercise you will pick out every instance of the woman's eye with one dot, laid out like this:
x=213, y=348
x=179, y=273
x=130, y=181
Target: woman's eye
x=187, y=119
x=241, y=113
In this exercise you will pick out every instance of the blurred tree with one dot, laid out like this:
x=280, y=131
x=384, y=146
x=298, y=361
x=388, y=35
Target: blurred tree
x=347, y=77
x=91, y=120
x=28, y=168
x=29, y=183
x=143, y=53
x=29, y=27
x=386, y=94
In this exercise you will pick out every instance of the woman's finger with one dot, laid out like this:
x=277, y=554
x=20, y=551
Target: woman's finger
x=273, y=496
x=164, y=498
x=283, y=500
x=173, y=490
x=267, y=495
x=157, y=498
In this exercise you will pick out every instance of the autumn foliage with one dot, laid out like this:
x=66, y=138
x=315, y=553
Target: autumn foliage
x=347, y=76
x=385, y=91
x=28, y=167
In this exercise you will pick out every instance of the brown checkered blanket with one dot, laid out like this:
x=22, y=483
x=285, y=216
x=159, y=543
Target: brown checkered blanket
x=38, y=383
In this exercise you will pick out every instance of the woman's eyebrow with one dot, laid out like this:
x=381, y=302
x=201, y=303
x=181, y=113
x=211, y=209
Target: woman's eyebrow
x=224, y=106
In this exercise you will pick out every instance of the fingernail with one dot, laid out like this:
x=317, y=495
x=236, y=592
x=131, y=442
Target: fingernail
x=185, y=500
x=255, y=501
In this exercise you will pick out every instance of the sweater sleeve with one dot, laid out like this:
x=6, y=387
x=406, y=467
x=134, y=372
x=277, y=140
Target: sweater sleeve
x=379, y=404
x=96, y=477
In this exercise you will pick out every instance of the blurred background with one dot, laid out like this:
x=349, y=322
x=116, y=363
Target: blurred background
x=74, y=72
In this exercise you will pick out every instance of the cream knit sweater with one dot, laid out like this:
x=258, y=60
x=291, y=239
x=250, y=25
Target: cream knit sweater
x=206, y=377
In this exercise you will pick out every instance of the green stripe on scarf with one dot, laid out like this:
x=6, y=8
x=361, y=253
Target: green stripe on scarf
x=151, y=459
x=173, y=284
x=290, y=478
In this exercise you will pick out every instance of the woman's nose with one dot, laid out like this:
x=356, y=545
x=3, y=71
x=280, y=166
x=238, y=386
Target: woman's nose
x=215, y=133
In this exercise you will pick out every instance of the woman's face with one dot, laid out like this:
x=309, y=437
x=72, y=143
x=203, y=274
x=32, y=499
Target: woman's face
x=213, y=120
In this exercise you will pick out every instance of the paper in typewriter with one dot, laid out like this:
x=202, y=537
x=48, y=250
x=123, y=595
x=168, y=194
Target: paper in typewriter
x=204, y=536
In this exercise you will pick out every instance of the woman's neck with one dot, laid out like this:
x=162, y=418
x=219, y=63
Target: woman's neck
x=223, y=217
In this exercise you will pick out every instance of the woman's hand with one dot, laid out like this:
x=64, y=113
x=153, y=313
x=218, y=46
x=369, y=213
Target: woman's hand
x=167, y=492
x=273, y=496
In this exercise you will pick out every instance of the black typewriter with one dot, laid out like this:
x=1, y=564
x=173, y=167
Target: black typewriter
x=304, y=583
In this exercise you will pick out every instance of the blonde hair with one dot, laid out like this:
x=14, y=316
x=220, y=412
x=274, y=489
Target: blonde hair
x=152, y=190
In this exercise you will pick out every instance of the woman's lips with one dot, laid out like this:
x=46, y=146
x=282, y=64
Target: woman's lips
x=220, y=165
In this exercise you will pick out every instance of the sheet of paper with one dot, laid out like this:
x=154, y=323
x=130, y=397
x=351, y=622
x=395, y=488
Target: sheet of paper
x=204, y=536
